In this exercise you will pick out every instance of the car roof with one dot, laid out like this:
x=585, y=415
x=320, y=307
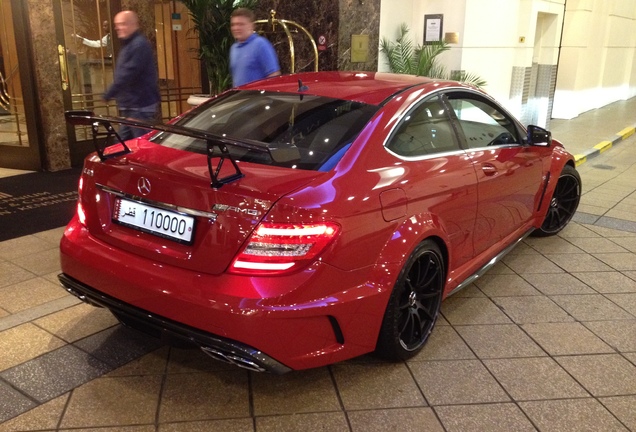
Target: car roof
x=367, y=87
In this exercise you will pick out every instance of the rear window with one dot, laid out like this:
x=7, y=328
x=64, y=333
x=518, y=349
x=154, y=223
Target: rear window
x=320, y=128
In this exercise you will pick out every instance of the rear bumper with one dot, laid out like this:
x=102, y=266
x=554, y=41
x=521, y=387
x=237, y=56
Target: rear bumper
x=309, y=319
x=219, y=348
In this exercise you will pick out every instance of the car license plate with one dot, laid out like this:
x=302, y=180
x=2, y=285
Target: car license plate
x=153, y=220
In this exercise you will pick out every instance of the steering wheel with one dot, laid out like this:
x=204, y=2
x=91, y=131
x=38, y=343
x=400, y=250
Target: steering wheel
x=502, y=138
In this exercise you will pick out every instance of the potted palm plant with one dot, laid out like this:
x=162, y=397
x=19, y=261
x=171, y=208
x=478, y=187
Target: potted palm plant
x=211, y=20
x=405, y=58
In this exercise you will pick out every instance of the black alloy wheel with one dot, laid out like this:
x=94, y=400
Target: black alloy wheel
x=563, y=204
x=414, y=304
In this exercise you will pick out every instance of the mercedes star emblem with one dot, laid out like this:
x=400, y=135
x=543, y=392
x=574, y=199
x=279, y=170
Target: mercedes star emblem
x=143, y=186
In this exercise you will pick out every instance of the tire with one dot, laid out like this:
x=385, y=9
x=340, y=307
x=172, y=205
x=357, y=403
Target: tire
x=414, y=304
x=563, y=204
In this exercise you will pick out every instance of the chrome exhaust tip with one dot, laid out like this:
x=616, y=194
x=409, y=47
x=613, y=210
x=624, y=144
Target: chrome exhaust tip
x=233, y=359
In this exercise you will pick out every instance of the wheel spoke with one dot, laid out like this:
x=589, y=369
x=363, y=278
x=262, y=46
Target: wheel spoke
x=417, y=327
x=419, y=300
x=430, y=315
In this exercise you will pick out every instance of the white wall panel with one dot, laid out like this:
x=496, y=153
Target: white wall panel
x=593, y=42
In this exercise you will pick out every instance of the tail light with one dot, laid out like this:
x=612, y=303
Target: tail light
x=281, y=248
x=81, y=214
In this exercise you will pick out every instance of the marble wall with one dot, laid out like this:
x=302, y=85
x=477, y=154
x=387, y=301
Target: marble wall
x=319, y=17
x=358, y=17
x=337, y=21
x=52, y=127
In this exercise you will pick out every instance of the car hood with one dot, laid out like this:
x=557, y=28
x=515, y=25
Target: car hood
x=166, y=178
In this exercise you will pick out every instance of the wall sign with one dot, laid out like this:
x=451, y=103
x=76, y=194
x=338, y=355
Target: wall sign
x=359, y=48
x=433, y=26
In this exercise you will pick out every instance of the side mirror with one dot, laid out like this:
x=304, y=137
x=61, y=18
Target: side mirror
x=539, y=136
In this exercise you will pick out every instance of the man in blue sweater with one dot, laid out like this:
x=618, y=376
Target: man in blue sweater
x=252, y=57
x=136, y=83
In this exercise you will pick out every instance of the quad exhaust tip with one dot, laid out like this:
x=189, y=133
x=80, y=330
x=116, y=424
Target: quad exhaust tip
x=233, y=359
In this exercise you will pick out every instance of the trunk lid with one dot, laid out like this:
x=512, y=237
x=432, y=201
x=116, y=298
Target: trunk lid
x=170, y=191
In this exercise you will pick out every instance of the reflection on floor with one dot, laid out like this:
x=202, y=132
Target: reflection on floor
x=12, y=133
x=7, y=172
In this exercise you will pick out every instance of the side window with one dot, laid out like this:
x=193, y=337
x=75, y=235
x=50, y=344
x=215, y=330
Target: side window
x=482, y=123
x=424, y=130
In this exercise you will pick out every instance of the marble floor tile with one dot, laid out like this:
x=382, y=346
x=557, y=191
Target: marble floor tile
x=623, y=408
x=592, y=307
x=77, y=322
x=403, y=419
x=25, y=342
x=376, y=386
x=333, y=421
x=572, y=415
x=499, y=417
x=463, y=311
x=457, y=382
x=444, y=344
x=108, y=401
x=566, y=339
x=534, y=379
x=607, y=282
x=302, y=392
x=505, y=286
x=621, y=335
x=225, y=393
x=499, y=341
x=532, y=309
x=603, y=374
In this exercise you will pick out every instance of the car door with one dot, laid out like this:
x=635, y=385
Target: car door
x=508, y=171
x=442, y=184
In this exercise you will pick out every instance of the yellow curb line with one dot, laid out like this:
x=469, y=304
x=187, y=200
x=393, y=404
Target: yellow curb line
x=627, y=132
x=579, y=159
x=603, y=146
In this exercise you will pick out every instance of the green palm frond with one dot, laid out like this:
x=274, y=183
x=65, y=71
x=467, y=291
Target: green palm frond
x=405, y=58
x=469, y=78
x=211, y=19
x=437, y=71
x=399, y=53
x=427, y=58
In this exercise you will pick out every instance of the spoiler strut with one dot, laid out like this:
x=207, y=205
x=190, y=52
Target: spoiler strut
x=213, y=141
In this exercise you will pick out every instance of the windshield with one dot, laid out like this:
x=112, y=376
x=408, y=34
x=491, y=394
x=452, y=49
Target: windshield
x=319, y=128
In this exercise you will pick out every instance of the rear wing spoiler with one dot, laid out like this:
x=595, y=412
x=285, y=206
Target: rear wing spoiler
x=216, y=145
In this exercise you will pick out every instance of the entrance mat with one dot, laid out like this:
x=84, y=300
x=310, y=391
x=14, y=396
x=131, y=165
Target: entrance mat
x=34, y=202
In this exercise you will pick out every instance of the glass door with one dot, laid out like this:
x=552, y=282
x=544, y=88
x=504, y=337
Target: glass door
x=19, y=145
x=86, y=50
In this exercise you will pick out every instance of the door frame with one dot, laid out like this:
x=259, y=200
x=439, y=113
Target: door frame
x=78, y=149
x=29, y=157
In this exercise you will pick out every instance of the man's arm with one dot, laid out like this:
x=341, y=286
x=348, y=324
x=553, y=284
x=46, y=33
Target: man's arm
x=94, y=43
x=269, y=59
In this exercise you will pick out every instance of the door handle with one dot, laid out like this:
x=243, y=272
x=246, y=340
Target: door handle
x=489, y=169
x=61, y=52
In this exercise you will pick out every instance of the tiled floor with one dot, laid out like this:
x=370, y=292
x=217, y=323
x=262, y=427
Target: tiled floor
x=545, y=341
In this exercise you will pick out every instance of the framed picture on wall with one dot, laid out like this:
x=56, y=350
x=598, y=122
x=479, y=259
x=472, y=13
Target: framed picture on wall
x=433, y=25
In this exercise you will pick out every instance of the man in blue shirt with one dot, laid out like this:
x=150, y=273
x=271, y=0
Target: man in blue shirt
x=252, y=57
x=135, y=84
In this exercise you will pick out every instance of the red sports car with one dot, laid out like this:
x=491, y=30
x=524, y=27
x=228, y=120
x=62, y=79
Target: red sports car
x=311, y=218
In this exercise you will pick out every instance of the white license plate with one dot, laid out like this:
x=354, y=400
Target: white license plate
x=157, y=221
